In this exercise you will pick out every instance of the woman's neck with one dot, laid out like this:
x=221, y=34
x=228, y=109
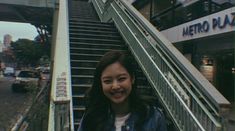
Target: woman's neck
x=121, y=109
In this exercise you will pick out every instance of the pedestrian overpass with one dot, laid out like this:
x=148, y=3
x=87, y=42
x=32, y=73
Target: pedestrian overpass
x=83, y=31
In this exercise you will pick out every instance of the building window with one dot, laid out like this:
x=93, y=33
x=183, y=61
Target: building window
x=170, y=13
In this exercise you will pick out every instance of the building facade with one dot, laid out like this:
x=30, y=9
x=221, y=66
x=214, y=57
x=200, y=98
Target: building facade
x=204, y=31
x=7, y=39
x=7, y=54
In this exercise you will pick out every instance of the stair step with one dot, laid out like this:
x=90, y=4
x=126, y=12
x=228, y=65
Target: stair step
x=83, y=68
x=79, y=96
x=81, y=8
x=96, y=40
x=79, y=108
x=90, y=50
x=79, y=100
x=78, y=113
x=82, y=79
x=92, y=28
x=78, y=56
x=88, y=17
x=81, y=85
x=105, y=32
x=96, y=45
x=87, y=23
x=83, y=76
x=75, y=19
x=99, y=36
x=76, y=123
x=82, y=71
x=84, y=63
x=80, y=89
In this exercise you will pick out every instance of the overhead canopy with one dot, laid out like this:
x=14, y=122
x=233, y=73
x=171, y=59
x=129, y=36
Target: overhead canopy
x=26, y=14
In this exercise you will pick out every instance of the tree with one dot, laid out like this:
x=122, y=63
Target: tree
x=28, y=52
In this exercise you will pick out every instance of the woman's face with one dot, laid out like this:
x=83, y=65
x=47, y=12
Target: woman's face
x=116, y=83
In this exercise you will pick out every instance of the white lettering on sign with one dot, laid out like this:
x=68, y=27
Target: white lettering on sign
x=219, y=22
x=214, y=24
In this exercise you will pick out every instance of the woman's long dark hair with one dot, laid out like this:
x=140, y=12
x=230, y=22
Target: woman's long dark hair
x=98, y=105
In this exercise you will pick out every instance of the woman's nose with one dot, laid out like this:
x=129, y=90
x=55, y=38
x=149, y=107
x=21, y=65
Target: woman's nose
x=115, y=85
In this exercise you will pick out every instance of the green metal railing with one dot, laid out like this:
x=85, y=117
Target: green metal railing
x=191, y=100
x=60, y=114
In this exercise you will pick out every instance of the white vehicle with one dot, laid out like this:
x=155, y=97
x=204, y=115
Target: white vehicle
x=26, y=80
x=9, y=71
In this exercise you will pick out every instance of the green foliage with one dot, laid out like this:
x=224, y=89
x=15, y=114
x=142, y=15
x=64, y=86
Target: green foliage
x=28, y=52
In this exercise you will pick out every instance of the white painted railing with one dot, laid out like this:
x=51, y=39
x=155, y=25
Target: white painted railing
x=60, y=114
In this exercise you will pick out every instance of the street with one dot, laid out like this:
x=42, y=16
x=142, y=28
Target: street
x=12, y=104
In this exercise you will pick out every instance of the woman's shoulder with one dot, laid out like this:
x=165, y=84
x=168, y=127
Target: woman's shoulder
x=155, y=112
x=152, y=107
x=156, y=119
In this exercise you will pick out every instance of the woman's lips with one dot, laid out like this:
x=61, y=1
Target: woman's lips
x=117, y=94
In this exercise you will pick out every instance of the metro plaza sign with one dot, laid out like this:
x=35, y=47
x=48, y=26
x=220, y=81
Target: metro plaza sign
x=213, y=23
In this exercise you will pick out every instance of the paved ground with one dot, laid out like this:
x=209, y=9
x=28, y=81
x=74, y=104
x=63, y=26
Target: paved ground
x=12, y=104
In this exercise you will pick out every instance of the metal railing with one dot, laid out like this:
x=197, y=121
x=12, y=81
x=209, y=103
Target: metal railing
x=60, y=114
x=191, y=100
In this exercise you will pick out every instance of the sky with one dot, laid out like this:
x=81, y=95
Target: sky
x=17, y=30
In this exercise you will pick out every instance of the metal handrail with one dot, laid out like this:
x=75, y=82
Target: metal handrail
x=60, y=114
x=168, y=70
x=188, y=70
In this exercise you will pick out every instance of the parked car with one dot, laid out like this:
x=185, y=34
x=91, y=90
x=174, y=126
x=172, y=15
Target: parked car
x=26, y=80
x=45, y=75
x=43, y=68
x=9, y=71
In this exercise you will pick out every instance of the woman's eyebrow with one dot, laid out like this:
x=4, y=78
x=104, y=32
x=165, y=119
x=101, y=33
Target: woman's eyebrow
x=106, y=77
x=123, y=74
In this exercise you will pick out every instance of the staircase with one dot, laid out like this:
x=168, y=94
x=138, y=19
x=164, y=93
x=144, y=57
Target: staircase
x=89, y=40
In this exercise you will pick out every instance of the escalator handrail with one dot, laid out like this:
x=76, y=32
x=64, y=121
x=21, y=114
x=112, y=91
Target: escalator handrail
x=180, y=61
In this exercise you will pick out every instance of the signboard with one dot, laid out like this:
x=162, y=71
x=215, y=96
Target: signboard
x=218, y=23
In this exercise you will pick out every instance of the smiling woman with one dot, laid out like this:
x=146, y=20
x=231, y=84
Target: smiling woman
x=17, y=30
x=113, y=101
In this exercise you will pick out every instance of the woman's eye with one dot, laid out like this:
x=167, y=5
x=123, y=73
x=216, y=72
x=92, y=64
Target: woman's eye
x=122, y=79
x=107, y=81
